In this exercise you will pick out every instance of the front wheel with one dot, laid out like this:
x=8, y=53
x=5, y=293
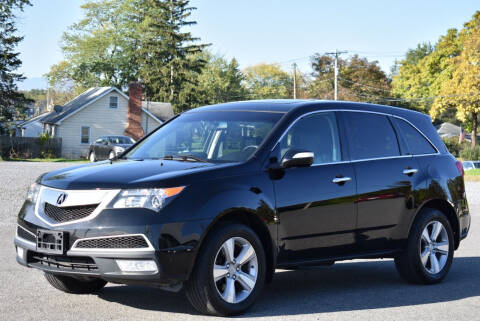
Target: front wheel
x=230, y=271
x=92, y=157
x=111, y=155
x=429, y=252
x=76, y=286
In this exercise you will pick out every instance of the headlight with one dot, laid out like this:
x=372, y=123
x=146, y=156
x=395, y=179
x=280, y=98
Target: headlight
x=153, y=199
x=33, y=192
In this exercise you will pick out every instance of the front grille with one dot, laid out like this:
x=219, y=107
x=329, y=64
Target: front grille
x=67, y=214
x=25, y=235
x=123, y=242
x=62, y=262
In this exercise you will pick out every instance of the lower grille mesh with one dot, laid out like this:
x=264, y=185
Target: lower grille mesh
x=67, y=214
x=25, y=235
x=123, y=242
x=62, y=262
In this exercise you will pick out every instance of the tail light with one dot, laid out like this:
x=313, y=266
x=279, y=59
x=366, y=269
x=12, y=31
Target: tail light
x=460, y=167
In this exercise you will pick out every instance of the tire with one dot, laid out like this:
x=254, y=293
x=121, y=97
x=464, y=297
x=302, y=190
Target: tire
x=111, y=155
x=71, y=285
x=201, y=289
x=429, y=270
x=92, y=157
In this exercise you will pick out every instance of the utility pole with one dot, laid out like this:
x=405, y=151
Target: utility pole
x=294, y=81
x=336, y=54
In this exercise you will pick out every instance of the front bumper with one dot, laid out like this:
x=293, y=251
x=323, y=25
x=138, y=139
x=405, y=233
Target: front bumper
x=95, y=263
x=171, y=245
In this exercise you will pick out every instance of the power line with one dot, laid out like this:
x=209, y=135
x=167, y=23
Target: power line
x=363, y=85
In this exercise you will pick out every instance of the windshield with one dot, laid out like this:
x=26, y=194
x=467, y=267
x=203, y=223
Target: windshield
x=120, y=140
x=211, y=136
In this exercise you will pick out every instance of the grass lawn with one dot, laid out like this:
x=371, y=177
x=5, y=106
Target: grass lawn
x=472, y=175
x=50, y=160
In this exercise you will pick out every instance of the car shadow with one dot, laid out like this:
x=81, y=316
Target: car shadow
x=341, y=287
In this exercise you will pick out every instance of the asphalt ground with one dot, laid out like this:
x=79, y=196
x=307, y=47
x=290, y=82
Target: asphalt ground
x=352, y=290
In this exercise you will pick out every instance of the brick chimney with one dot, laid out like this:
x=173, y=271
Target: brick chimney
x=134, y=126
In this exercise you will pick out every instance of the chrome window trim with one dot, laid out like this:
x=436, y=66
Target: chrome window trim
x=75, y=249
x=358, y=111
x=110, y=194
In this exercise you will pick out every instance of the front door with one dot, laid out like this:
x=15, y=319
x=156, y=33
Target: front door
x=315, y=205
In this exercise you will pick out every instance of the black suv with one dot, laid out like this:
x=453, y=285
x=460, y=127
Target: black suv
x=220, y=196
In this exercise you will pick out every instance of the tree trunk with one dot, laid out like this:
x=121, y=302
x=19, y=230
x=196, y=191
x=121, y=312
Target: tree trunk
x=474, y=129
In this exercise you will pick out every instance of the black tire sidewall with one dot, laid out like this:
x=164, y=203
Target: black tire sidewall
x=414, y=246
x=214, y=244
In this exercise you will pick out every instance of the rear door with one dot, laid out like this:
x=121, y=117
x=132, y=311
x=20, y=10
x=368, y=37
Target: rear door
x=386, y=180
x=315, y=204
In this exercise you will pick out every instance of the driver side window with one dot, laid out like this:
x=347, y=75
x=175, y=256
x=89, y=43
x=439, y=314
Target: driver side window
x=317, y=133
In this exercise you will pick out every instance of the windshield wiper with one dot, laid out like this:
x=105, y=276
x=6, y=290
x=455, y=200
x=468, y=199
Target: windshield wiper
x=185, y=158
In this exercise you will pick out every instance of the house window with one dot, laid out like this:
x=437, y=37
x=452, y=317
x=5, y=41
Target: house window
x=85, y=135
x=113, y=101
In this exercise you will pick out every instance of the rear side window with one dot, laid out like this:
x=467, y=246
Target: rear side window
x=370, y=136
x=417, y=144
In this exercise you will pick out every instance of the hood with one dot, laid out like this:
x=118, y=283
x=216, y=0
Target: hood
x=124, y=174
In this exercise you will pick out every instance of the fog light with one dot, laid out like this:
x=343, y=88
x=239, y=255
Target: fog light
x=20, y=252
x=137, y=265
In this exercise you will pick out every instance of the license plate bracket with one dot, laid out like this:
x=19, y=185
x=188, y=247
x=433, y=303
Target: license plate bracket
x=51, y=242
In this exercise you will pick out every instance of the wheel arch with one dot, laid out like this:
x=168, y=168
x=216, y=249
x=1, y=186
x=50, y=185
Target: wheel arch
x=253, y=221
x=446, y=208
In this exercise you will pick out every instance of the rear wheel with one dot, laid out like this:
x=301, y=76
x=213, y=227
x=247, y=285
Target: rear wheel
x=75, y=286
x=429, y=253
x=230, y=272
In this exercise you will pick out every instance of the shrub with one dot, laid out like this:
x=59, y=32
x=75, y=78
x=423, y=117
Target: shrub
x=44, y=138
x=453, y=146
x=469, y=153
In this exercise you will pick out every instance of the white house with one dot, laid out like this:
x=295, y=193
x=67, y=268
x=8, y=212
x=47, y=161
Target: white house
x=103, y=111
x=32, y=127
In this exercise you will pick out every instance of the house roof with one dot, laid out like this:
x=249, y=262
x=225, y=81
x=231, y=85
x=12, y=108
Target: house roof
x=78, y=103
x=34, y=119
x=448, y=129
x=162, y=111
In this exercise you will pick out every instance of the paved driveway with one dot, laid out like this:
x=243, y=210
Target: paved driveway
x=352, y=290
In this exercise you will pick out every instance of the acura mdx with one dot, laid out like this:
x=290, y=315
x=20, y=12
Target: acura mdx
x=220, y=196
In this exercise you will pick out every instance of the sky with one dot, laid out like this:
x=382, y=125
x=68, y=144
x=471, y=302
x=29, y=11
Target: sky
x=271, y=31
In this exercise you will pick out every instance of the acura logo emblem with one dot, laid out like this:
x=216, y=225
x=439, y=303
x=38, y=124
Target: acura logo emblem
x=61, y=198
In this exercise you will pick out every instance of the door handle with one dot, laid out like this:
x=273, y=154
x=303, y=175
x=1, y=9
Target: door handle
x=341, y=180
x=410, y=171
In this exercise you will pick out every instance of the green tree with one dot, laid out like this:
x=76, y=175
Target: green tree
x=101, y=48
x=39, y=97
x=168, y=55
x=220, y=81
x=12, y=102
x=462, y=90
x=268, y=81
x=358, y=80
x=422, y=73
x=62, y=87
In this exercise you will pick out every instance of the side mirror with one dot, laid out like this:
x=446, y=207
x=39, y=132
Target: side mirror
x=297, y=158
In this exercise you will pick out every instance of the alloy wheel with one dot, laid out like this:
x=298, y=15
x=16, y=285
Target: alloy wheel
x=235, y=270
x=434, y=247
